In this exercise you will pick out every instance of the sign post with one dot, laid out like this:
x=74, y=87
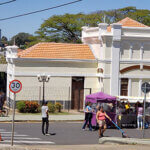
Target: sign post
x=15, y=86
x=145, y=89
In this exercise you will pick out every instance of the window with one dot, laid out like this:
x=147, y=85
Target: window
x=124, y=87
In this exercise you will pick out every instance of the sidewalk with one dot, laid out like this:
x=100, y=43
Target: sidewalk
x=75, y=147
x=37, y=118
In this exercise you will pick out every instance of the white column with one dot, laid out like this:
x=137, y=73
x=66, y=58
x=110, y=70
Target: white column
x=115, y=63
x=131, y=51
x=119, y=87
x=11, y=53
x=129, y=87
x=140, y=83
x=141, y=51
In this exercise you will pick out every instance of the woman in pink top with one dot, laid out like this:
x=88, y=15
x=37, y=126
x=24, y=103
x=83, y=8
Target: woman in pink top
x=100, y=117
x=139, y=116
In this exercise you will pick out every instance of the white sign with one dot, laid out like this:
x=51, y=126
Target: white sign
x=15, y=86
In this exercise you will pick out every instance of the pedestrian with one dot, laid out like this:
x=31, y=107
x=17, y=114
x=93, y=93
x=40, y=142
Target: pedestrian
x=88, y=116
x=45, y=119
x=127, y=107
x=139, y=113
x=100, y=117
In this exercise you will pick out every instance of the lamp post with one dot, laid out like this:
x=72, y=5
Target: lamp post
x=43, y=78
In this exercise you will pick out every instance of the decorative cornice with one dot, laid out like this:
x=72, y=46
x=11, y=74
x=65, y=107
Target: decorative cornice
x=54, y=60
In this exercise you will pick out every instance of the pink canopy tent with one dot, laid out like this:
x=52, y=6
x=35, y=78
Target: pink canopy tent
x=101, y=97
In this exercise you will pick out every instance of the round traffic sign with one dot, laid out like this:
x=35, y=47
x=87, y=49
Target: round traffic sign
x=145, y=87
x=15, y=86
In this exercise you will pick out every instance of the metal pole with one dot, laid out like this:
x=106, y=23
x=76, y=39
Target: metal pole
x=69, y=99
x=43, y=92
x=0, y=36
x=13, y=119
x=144, y=114
x=39, y=94
x=79, y=100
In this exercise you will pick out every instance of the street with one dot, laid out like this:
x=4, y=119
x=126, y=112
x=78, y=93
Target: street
x=66, y=133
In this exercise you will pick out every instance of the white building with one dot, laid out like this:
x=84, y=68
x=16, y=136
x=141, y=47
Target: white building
x=114, y=59
x=123, y=53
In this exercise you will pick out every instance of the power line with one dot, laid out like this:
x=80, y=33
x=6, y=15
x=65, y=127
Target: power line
x=7, y=2
x=40, y=10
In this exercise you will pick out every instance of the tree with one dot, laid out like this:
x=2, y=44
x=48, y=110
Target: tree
x=66, y=28
x=2, y=60
x=21, y=39
x=62, y=28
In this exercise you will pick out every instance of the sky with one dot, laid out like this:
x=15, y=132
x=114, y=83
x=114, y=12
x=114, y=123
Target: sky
x=31, y=23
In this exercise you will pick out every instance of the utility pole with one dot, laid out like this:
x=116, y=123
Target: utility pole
x=0, y=36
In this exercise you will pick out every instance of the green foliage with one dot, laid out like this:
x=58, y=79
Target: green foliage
x=28, y=106
x=67, y=28
x=51, y=107
x=21, y=106
x=4, y=40
x=2, y=60
x=21, y=39
x=62, y=28
x=58, y=107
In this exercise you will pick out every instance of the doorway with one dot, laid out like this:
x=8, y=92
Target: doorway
x=3, y=82
x=77, y=93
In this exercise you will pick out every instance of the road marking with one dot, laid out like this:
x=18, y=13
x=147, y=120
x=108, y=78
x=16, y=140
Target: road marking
x=29, y=142
x=21, y=138
x=7, y=135
x=7, y=132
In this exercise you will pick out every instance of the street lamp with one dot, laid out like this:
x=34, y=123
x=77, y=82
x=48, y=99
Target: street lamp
x=43, y=78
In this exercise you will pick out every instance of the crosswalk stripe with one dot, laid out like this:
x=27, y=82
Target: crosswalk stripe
x=21, y=138
x=6, y=132
x=29, y=142
x=7, y=135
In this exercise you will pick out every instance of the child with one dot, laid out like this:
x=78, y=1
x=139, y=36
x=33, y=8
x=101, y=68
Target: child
x=100, y=117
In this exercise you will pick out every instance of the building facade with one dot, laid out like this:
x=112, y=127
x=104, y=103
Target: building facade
x=114, y=59
x=123, y=53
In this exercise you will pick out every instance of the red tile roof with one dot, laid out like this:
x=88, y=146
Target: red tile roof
x=128, y=22
x=58, y=51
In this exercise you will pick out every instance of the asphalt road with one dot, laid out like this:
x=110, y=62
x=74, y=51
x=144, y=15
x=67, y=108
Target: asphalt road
x=66, y=133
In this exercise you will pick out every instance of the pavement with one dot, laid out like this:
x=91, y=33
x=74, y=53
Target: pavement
x=77, y=147
x=37, y=118
x=118, y=140
x=70, y=117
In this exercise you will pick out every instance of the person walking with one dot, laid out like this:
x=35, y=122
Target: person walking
x=139, y=112
x=45, y=117
x=88, y=116
x=100, y=117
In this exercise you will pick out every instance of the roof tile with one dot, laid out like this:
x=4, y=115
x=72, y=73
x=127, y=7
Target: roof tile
x=128, y=22
x=58, y=51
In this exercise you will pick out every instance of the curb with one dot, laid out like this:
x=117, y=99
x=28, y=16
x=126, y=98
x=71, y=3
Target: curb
x=39, y=121
x=118, y=140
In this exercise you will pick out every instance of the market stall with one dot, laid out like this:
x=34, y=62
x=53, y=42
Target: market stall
x=108, y=102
